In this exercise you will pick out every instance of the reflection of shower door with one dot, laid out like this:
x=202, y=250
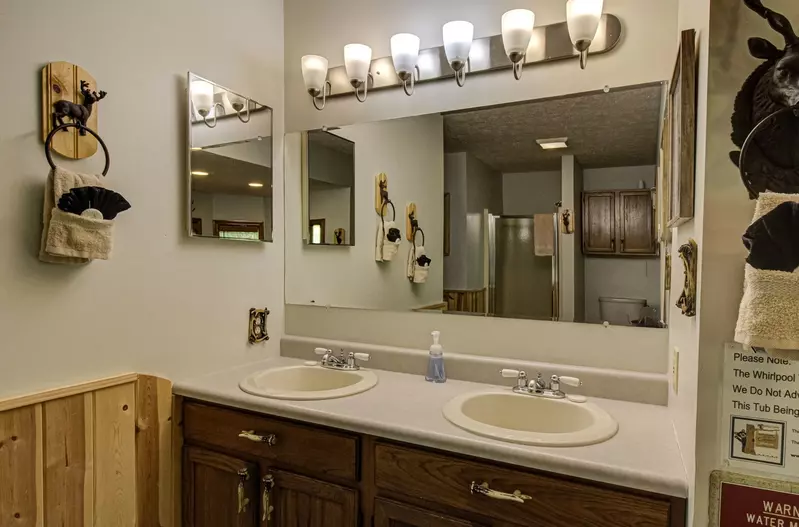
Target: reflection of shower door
x=521, y=282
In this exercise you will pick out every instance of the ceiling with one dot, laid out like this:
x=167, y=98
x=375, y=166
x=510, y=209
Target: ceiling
x=331, y=141
x=227, y=175
x=619, y=128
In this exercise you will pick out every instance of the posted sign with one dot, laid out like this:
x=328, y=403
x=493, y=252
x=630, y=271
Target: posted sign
x=743, y=506
x=760, y=421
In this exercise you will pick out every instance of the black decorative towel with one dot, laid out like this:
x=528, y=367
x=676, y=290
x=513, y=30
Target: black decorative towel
x=773, y=240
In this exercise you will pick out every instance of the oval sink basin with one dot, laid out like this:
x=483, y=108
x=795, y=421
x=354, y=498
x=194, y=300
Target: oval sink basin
x=307, y=383
x=530, y=420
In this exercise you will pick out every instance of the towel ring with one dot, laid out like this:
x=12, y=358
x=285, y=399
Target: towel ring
x=416, y=231
x=393, y=210
x=769, y=119
x=48, y=143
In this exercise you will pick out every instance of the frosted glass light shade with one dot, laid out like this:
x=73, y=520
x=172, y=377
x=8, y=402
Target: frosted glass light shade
x=314, y=72
x=582, y=17
x=458, y=36
x=357, y=59
x=202, y=95
x=517, y=29
x=405, y=51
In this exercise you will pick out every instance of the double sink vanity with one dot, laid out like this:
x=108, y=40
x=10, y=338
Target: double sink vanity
x=298, y=443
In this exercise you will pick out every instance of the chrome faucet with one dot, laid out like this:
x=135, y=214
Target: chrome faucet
x=342, y=362
x=539, y=387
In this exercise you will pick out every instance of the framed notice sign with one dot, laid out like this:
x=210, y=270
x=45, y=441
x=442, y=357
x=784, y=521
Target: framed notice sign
x=738, y=500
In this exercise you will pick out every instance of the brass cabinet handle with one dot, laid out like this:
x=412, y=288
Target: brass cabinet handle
x=269, y=439
x=244, y=475
x=266, y=498
x=484, y=489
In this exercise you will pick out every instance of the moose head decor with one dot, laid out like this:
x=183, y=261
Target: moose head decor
x=79, y=113
x=765, y=124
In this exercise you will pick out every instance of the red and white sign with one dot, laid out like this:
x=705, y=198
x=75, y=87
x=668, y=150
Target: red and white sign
x=743, y=506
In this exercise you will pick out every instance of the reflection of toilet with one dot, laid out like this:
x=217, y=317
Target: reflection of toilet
x=620, y=311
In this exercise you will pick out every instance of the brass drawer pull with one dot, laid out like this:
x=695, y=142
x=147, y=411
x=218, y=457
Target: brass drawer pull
x=244, y=475
x=266, y=498
x=269, y=439
x=483, y=489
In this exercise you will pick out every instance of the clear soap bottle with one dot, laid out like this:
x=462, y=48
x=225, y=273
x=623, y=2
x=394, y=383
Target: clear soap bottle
x=435, y=364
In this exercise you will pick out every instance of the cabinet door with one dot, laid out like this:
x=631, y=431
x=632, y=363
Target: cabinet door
x=636, y=222
x=218, y=490
x=392, y=514
x=299, y=501
x=599, y=222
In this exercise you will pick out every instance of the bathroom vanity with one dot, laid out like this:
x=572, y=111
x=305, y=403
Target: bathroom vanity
x=388, y=458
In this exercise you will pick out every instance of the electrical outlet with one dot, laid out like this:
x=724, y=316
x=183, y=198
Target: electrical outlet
x=675, y=370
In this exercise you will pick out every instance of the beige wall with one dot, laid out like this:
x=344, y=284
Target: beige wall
x=164, y=303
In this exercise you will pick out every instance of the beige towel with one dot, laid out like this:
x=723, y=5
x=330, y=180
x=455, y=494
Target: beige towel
x=385, y=250
x=60, y=181
x=74, y=236
x=413, y=271
x=544, y=234
x=769, y=313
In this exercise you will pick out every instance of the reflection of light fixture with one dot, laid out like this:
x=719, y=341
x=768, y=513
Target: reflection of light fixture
x=314, y=73
x=553, y=144
x=357, y=59
x=517, y=29
x=256, y=185
x=202, y=96
x=458, y=36
x=198, y=173
x=405, y=53
x=195, y=148
x=582, y=17
x=239, y=103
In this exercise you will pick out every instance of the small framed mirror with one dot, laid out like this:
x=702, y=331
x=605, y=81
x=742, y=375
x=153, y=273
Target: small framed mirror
x=229, y=164
x=330, y=189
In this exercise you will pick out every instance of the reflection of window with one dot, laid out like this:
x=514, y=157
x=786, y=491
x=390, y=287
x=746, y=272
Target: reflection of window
x=317, y=232
x=240, y=230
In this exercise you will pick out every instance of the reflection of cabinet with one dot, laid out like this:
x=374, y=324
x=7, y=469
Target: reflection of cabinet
x=619, y=223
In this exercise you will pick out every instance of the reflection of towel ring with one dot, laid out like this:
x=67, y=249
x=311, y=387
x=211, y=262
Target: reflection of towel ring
x=48, y=142
x=393, y=210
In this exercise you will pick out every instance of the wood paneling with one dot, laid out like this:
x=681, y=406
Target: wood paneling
x=599, y=222
x=74, y=458
x=637, y=223
x=61, y=81
x=304, y=502
x=619, y=223
x=472, y=301
x=392, y=514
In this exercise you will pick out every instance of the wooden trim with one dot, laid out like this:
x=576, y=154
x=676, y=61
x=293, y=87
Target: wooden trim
x=57, y=393
x=40, y=465
x=239, y=226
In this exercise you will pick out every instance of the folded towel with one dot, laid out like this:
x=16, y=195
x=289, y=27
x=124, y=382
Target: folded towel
x=768, y=317
x=59, y=182
x=544, y=234
x=415, y=270
x=387, y=241
x=74, y=236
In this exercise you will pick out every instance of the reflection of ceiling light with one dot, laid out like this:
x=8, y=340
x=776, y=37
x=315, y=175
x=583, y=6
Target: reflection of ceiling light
x=256, y=185
x=195, y=148
x=553, y=144
x=198, y=173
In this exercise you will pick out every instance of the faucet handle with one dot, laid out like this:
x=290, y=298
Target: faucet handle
x=570, y=381
x=363, y=357
x=510, y=374
x=322, y=351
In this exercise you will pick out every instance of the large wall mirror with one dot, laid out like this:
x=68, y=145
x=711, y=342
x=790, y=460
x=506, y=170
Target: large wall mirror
x=542, y=209
x=230, y=164
x=329, y=183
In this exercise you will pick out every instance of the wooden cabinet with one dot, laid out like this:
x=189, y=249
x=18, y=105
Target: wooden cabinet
x=290, y=479
x=619, y=223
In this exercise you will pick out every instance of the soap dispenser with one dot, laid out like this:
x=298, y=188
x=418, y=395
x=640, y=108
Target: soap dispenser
x=435, y=364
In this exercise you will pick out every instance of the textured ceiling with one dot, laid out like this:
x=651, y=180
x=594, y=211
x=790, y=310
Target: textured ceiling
x=619, y=128
x=331, y=141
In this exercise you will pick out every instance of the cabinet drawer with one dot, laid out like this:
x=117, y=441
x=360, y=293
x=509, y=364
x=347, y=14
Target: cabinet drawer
x=312, y=449
x=553, y=502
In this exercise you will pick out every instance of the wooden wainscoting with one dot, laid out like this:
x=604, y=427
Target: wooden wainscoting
x=96, y=454
x=467, y=301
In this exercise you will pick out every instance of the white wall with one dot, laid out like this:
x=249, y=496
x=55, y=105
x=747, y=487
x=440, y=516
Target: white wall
x=645, y=54
x=484, y=187
x=411, y=152
x=231, y=207
x=333, y=206
x=146, y=309
x=618, y=178
x=620, y=277
x=572, y=269
x=528, y=193
x=456, y=265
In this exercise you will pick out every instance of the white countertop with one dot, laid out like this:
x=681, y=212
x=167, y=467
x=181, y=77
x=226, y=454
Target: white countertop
x=643, y=455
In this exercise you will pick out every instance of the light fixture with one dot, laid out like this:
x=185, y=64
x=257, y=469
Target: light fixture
x=582, y=17
x=239, y=103
x=199, y=173
x=517, y=30
x=357, y=60
x=256, y=185
x=405, y=54
x=554, y=143
x=196, y=148
x=202, y=96
x=314, y=73
x=458, y=36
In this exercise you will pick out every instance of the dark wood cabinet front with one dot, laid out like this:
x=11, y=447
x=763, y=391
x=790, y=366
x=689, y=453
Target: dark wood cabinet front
x=619, y=223
x=299, y=501
x=390, y=513
x=218, y=490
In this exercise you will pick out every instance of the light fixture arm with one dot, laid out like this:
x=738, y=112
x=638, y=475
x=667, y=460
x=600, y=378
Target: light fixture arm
x=583, y=58
x=460, y=74
x=369, y=79
x=517, y=69
x=326, y=89
x=204, y=115
x=415, y=74
x=238, y=112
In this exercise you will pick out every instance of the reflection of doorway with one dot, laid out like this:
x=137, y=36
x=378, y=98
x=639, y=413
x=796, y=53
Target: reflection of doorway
x=317, y=232
x=240, y=230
